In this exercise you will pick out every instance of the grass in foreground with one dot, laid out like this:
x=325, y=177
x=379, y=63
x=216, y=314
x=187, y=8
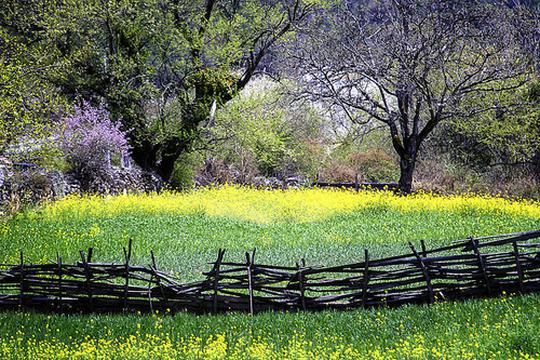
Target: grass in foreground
x=504, y=328
x=325, y=226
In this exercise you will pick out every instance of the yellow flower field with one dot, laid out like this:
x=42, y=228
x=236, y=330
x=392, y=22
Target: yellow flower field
x=267, y=206
x=156, y=340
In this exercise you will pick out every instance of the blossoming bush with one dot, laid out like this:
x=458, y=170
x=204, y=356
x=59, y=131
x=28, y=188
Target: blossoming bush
x=90, y=138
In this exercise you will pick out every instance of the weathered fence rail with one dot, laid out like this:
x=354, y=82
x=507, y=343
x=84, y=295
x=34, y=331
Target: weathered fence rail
x=474, y=267
x=358, y=185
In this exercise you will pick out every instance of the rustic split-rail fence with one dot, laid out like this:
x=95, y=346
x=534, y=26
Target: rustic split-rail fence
x=474, y=267
x=357, y=185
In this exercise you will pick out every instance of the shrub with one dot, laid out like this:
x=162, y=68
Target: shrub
x=337, y=172
x=375, y=165
x=183, y=176
x=263, y=132
x=90, y=139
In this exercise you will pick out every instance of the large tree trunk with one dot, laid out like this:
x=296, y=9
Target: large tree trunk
x=407, y=151
x=145, y=155
x=158, y=158
x=407, y=166
x=165, y=168
x=170, y=151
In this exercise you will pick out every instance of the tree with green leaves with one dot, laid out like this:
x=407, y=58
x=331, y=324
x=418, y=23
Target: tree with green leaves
x=160, y=66
x=262, y=132
x=29, y=105
x=222, y=45
x=498, y=138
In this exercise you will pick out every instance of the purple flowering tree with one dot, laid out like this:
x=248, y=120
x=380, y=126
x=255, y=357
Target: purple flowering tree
x=90, y=139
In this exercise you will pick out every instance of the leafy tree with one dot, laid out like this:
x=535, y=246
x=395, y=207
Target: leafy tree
x=261, y=132
x=221, y=45
x=160, y=65
x=29, y=105
x=502, y=138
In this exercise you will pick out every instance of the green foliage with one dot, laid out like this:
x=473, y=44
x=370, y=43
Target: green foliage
x=375, y=165
x=364, y=152
x=183, y=177
x=256, y=132
x=28, y=103
x=260, y=132
x=149, y=58
x=506, y=134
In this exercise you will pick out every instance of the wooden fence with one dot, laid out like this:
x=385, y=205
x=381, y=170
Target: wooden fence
x=357, y=185
x=480, y=267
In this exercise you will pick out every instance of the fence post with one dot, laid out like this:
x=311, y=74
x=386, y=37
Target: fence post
x=356, y=183
x=301, y=284
x=217, y=267
x=425, y=272
x=518, y=266
x=88, y=280
x=149, y=294
x=366, y=278
x=127, y=257
x=481, y=264
x=154, y=271
x=249, y=266
x=59, y=263
x=89, y=255
x=21, y=285
x=424, y=249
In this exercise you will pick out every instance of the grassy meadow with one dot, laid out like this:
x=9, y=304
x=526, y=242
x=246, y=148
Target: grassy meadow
x=327, y=227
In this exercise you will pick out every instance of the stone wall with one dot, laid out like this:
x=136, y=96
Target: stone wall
x=31, y=185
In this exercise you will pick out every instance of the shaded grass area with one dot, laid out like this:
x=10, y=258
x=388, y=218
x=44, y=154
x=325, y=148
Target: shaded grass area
x=507, y=327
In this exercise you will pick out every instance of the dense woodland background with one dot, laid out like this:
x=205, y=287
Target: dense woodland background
x=433, y=95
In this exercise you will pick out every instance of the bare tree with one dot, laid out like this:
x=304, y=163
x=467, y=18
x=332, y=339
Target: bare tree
x=412, y=64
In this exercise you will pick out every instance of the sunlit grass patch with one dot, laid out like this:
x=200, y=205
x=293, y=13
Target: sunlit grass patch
x=185, y=230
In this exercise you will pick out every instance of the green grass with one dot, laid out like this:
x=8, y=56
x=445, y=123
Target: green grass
x=478, y=329
x=185, y=241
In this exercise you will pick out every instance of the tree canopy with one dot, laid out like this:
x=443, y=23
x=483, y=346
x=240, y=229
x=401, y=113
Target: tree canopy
x=159, y=65
x=412, y=64
x=162, y=68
